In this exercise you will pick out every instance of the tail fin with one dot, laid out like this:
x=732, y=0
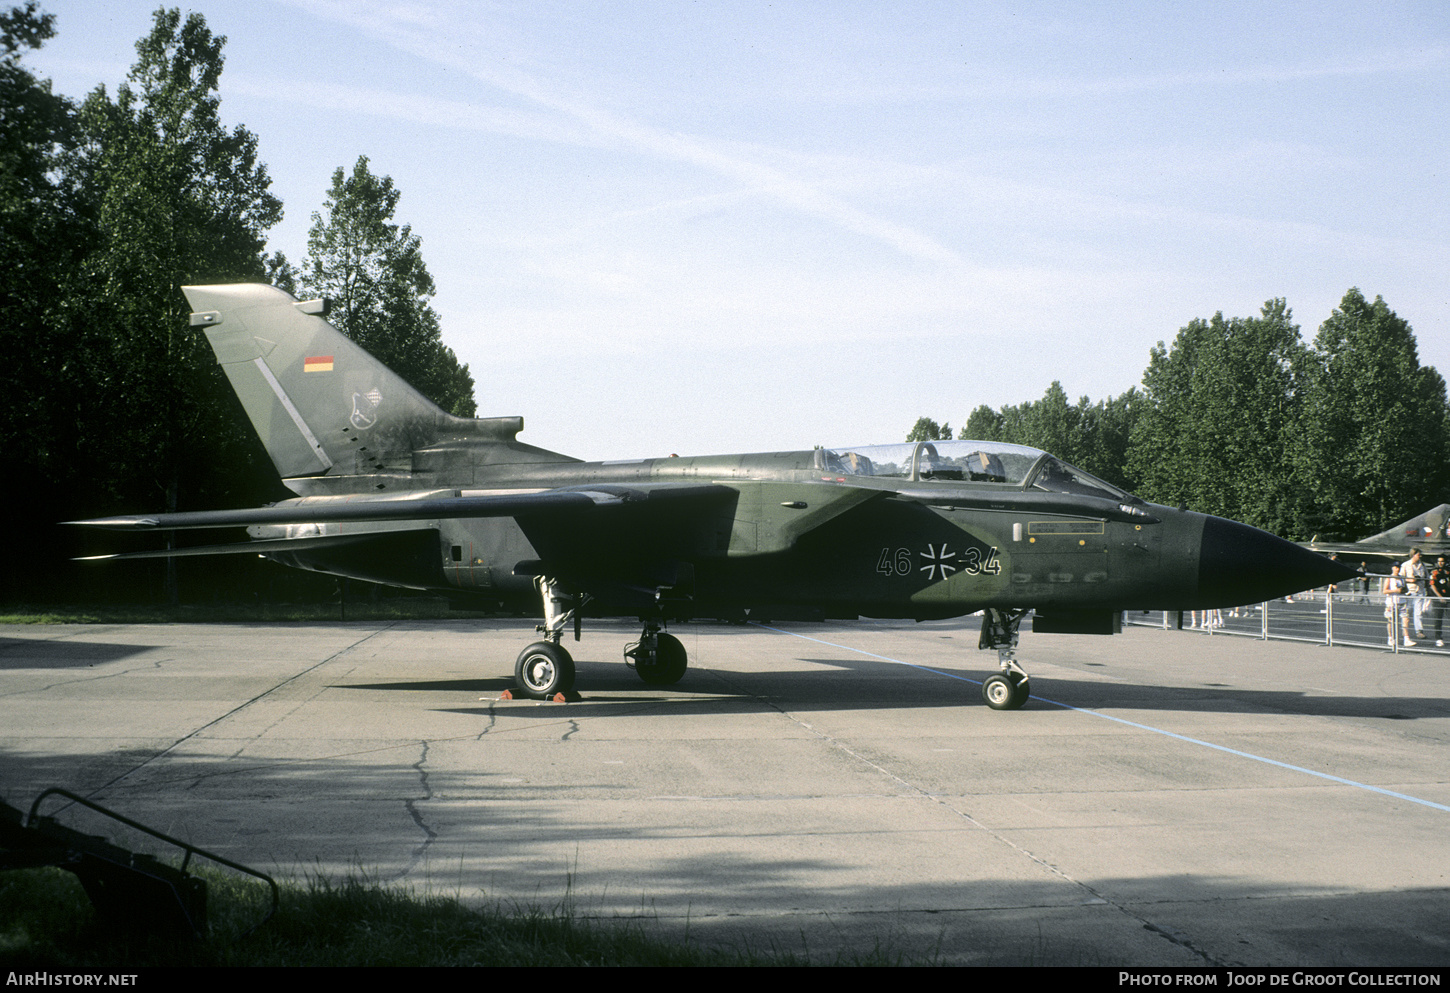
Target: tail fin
x=1429, y=528
x=320, y=403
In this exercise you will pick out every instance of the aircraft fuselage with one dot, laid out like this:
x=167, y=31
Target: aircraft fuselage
x=793, y=539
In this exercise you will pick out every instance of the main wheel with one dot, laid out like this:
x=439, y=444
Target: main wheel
x=1003, y=693
x=669, y=663
x=543, y=670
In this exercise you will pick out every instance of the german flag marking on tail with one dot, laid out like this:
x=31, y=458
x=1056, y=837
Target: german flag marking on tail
x=317, y=363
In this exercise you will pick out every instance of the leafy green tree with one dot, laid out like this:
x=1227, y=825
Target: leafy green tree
x=1107, y=431
x=38, y=127
x=280, y=272
x=1092, y=436
x=1054, y=425
x=1376, y=437
x=373, y=272
x=1016, y=423
x=983, y=424
x=1219, y=408
x=40, y=249
x=172, y=197
x=169, y=196
x=106, y=209
x=927, y=429
x=39, y=246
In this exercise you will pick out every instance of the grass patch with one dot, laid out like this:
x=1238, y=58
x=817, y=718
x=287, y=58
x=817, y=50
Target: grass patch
x=46, y=922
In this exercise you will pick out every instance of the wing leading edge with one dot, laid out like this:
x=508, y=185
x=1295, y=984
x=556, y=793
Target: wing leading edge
x=521, y=504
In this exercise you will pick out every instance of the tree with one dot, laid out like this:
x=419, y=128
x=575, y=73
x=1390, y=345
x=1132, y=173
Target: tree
x=983, y=424
x=1090, y=436
x=1376, y=428
x=169, y=196
x=1108, y=429
x=106, y=209
x=39, y=246
x=1054, y=425
x=373, y=272
x=927, y=429
x=1240, y=419
x=1219, y=408
x=172, y=198
x=36, y=127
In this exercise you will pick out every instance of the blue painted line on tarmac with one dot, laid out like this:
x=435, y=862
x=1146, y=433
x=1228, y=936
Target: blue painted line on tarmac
x=1134, y=724
x=862, y=651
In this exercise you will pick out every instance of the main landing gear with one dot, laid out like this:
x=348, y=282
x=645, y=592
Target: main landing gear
x=1005, y=690
x=545, y=669
x=657, y=658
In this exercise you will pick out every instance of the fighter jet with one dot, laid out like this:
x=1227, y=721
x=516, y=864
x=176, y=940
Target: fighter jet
x=393, y=490
x=1429, y=532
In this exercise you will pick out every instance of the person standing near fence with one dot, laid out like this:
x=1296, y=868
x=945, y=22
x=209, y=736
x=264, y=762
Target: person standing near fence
x=1439, y=586
x=1332, y=588
x=1414, y=575
x=1395, y=608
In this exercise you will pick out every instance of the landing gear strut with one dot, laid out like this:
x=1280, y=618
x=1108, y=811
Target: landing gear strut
x=1005, y=690
x=657, y=658
x=545, y=668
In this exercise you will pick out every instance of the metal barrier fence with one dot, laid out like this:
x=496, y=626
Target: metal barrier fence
x=1366, y=620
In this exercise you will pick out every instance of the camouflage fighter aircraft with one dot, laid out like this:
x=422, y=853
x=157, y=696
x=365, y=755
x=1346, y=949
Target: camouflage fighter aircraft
x=393, y=490
x=1429, y=532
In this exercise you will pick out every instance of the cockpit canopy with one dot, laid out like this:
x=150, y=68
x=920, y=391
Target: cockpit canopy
x=989, y=462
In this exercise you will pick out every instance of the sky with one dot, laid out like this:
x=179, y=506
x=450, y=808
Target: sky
x=709, y=227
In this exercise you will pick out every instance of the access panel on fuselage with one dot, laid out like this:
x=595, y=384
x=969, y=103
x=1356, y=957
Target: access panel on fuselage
x=480, y=554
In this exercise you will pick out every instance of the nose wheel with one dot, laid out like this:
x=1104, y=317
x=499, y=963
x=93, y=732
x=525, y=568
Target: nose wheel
x=1004, y=691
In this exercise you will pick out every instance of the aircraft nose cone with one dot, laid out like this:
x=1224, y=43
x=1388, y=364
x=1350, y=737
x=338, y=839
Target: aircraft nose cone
x=1238, y=564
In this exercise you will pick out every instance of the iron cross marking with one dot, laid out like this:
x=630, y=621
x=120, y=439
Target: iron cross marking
x=937, y=561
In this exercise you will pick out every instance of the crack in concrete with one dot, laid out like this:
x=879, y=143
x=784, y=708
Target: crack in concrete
x=429, y=835
x=97, y=677
x=492, y=720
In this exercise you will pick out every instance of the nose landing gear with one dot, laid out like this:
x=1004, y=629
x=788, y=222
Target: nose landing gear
x=1005, y=690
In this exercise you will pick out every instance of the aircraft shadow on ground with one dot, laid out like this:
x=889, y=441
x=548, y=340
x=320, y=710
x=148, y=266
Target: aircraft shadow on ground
x=374, y=819
x=63, y=653
x=851, y=684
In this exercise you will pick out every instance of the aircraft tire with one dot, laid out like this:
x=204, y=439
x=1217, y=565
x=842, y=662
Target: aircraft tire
x=1020, y=693
x=669, y=663
x=1001, y=693
x=543, y=670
